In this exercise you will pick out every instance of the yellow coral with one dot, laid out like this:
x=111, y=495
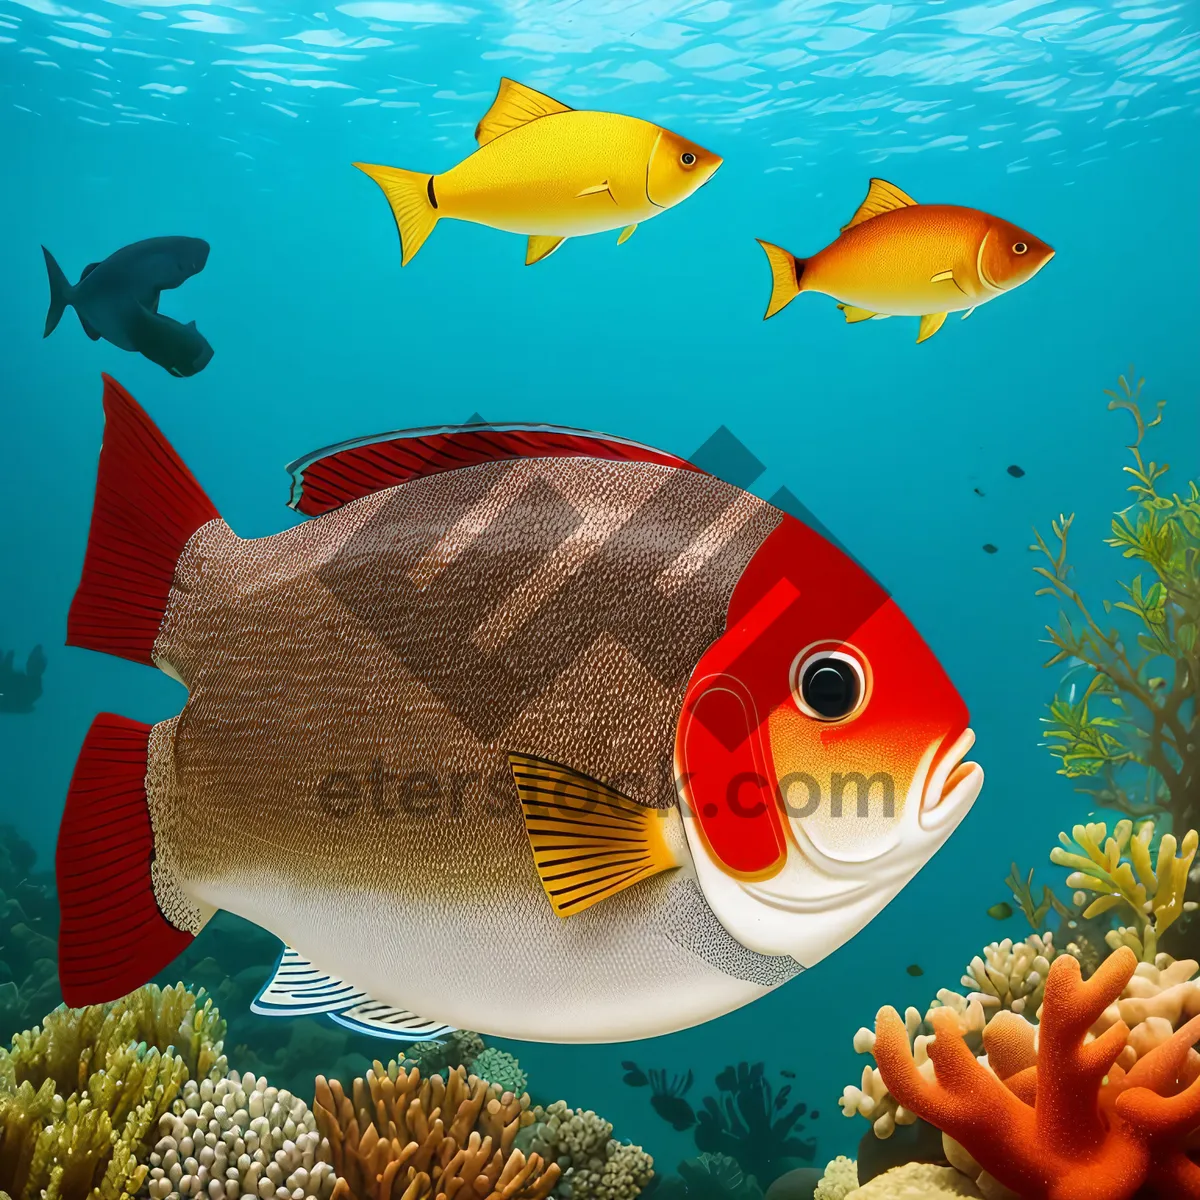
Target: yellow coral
x=81, y=1094
x=1121, y=871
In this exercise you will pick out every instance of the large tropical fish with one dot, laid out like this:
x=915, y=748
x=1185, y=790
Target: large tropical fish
x=550, y=172
x=896, y=257
x=529, y=730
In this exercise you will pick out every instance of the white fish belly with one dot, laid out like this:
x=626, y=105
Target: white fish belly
x=508, y=967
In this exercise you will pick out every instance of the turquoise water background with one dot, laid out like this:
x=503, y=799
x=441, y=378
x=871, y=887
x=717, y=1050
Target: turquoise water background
x=238, y=124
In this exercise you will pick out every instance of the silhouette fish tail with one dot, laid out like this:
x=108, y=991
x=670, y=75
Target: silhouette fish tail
x=60, y=293
x=414, y=204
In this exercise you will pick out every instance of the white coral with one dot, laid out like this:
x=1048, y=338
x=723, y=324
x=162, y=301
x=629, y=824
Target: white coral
x=917, y=1181
x=839, y=1180
x=1007, y=976
x=872, y=1099
x=1011, y=975
x=1159, y=998
x=237, y=1137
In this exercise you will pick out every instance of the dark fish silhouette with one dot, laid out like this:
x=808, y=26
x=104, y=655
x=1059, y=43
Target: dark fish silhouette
x=117, y=300
x=18, y=690
x=634, y=1075
x=668, y=1099
x=916, y=970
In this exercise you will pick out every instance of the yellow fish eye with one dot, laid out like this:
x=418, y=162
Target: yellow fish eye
x=1020, y=248
x=687, y=158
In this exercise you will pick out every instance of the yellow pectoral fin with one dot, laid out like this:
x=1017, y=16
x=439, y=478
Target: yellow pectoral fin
x=854, y=315
x=589, y=841
x=930, y=324
x=541, y=245
x=515, y=105
x=597, y=189
x=625, y=234
x=940, y=276
x=881, y=197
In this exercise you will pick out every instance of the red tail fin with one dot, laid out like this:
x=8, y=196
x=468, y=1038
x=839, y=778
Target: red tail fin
x=147, y=507
x=113, y=937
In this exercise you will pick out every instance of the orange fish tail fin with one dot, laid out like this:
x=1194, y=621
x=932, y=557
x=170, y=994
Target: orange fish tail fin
x=786, y=273
x=148, y=505
x=414, y=204
x=113, y=935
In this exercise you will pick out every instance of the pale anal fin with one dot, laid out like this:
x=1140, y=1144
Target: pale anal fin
x=589, y=841
x=541, y=246
x=626, y=234
x=930, y=324
x=853, y=315
x=298, y=988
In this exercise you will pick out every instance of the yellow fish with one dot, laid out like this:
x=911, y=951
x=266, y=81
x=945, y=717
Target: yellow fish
x=896, y=257
x=545, y=170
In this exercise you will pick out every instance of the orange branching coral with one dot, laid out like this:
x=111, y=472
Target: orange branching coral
x=1056, y=1118
x=404, y=1138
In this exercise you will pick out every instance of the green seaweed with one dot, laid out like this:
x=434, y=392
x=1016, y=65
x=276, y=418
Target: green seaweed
x=1132, y=727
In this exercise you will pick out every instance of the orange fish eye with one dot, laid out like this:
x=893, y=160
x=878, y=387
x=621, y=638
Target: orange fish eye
x=828, y=684
x=1019, y=248
x=688, y=158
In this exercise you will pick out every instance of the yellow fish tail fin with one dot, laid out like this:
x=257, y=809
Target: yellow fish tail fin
x=515, y=105
x=786, y=270
x=414, y=204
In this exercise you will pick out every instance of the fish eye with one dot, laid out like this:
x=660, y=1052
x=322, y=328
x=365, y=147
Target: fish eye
x=1019, y=248
x=687, y=158
x=828, y=685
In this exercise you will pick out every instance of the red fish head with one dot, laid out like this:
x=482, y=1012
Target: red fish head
x=819, y=752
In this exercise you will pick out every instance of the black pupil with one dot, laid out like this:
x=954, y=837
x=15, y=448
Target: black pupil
x=689, y=159
x=1020, y=247
x=830, y=688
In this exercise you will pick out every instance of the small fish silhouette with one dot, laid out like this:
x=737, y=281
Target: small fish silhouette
x=1001, y=911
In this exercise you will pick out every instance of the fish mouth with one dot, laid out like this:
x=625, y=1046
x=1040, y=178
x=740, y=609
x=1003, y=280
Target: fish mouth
x=953, y=783
x=1049, y=255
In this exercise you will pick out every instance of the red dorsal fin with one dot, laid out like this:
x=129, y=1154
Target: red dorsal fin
x=338, y=474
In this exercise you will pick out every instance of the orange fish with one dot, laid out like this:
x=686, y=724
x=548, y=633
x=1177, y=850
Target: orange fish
x=898, y=258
